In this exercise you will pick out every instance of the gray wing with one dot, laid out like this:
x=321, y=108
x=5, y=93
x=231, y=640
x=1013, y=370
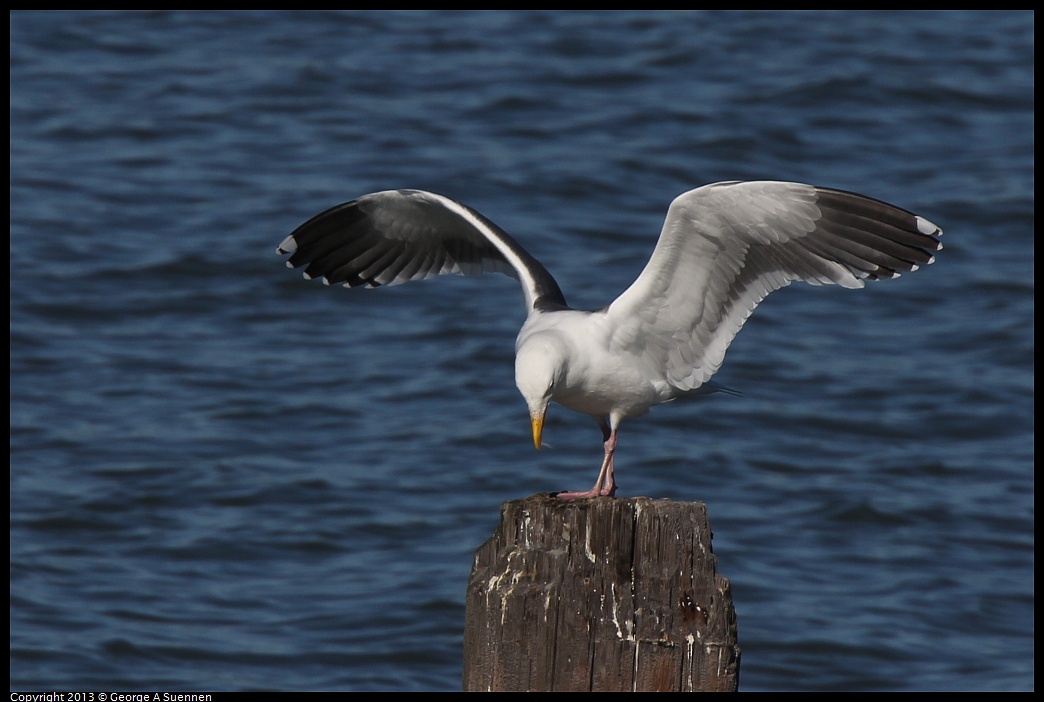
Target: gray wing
x=725, y=246
x=396, y=236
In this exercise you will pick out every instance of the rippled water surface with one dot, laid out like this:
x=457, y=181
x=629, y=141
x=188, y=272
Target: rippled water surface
x=224, y=477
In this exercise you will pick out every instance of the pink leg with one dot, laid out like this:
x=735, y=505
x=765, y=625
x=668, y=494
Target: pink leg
x=605, y=485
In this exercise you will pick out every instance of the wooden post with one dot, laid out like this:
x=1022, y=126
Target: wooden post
x=599, y=595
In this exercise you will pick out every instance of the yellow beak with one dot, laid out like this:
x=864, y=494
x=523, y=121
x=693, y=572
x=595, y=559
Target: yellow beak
x=538, y=427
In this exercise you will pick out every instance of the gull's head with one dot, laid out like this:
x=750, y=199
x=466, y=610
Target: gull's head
x=539, y=366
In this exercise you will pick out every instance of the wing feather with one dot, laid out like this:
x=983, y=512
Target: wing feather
x=396, y=236
x=725, y=247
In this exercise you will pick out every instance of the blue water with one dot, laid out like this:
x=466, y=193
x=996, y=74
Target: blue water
x=225, y=477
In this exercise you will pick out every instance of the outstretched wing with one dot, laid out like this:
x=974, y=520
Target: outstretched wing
x=395, y=236
x=725, y=246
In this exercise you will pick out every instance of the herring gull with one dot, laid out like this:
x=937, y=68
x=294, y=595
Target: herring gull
x=723, y=248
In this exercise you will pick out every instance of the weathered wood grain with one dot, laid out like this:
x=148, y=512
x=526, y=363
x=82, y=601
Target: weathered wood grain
x=599, y=594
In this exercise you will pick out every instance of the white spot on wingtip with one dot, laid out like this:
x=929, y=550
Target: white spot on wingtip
x=926, y=227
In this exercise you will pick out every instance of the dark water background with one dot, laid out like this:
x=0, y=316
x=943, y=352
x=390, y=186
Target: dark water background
x=225, y=477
